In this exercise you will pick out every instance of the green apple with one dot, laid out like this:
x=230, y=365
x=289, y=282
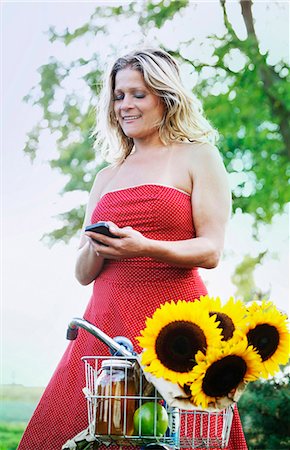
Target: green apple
x=146, y=415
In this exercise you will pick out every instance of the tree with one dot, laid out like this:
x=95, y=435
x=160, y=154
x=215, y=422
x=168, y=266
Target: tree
x=249, y=106
x=264, y=412
x=243, y=279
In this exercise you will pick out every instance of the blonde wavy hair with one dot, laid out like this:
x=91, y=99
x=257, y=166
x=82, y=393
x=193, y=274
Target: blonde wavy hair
x=183, y=119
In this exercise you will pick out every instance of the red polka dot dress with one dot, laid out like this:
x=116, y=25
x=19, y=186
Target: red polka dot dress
x=124, y=294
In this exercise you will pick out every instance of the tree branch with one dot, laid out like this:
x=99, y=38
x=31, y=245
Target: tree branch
x=226, y=20
x=268, y=75
x=246, y=6
x=218, y=65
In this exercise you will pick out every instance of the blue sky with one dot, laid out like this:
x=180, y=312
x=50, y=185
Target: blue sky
x=40, y=294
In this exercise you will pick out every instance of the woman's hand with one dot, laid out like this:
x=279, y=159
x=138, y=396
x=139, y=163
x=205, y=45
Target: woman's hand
x=131, y=243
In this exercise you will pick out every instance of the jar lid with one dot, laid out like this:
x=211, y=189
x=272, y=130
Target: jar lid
x=116, y=363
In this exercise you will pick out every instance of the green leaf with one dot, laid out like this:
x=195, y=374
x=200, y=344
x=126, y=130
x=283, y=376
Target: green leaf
x=159, y=12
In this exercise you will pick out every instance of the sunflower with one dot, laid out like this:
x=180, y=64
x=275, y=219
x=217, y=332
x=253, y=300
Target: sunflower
x=219, y=372
x=173, y=336
x=267, y=331
x=231, y=316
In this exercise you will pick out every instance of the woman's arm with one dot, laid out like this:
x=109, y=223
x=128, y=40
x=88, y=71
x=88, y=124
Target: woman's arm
x=89, y=264
x=211, y=204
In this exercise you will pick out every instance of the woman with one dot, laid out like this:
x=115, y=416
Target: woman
x=167, y=199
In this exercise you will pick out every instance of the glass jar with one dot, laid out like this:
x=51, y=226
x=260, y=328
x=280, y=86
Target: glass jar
x=115, y=411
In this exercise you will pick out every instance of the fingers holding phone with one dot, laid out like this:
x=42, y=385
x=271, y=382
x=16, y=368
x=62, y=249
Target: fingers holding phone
x=112, y=242
x=100, y=236
x=97, y=232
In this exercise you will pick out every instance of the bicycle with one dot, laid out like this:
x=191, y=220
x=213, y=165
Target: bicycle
x=185, y=429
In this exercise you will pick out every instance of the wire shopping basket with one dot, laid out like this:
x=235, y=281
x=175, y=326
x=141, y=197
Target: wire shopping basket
x=124, y=409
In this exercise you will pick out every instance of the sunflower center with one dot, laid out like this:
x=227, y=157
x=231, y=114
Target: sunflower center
x=265, y=338
x=177, y=344
x=226, y=324
x=223, y=376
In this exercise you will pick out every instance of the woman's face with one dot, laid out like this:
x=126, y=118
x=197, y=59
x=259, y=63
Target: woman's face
x=136, y=108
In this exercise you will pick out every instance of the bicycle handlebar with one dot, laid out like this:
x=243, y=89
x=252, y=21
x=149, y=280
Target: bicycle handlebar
x=76, y=323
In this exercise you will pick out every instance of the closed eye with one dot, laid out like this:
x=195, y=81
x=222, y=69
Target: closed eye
x=121, y=96
x=118, y=97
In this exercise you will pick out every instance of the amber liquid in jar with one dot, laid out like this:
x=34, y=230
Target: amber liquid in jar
x=115, y=412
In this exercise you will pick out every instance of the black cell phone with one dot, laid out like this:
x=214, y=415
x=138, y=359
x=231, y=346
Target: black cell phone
x=102, y=228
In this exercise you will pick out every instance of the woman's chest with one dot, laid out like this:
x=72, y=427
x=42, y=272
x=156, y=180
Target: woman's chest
x=170, y=172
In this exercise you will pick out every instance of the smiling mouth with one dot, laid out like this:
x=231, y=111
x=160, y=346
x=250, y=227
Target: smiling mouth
x=128, y=118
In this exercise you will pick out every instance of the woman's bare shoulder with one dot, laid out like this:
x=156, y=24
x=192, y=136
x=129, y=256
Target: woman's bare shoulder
x=196, y=153
x=200, y=149
x=200, y=153
x=102, y=177
x=105, y=174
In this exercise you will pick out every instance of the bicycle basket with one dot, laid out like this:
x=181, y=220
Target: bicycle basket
x=114, y=395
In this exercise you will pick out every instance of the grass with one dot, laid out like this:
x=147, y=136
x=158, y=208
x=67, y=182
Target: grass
x=10, y=435
x=17, y=405
x=14, y=392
